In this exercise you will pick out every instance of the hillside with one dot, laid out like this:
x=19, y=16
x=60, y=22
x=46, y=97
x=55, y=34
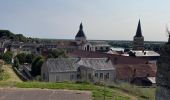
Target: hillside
x=6, y=34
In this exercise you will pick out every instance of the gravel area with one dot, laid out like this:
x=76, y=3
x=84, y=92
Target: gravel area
x=43, y=94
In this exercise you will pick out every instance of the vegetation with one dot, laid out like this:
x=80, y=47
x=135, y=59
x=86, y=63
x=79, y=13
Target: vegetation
x=142, y=93
x=9, y=76
x=57, y=54
x=36, y=66
x=15, y=37
x=97, y=91
x=16, y=62
x=25, y=58
x=7, y=57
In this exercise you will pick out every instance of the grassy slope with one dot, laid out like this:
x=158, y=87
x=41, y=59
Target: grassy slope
x=9, y=77
x=97, y=91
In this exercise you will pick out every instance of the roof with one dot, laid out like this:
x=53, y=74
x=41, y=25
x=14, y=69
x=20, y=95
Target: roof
x=127, y=71
x=80, y=32
x=139, y=31
x=146, y=53
x=71, y=64
x=61, y=64
x=116, y=59
x=96, y=63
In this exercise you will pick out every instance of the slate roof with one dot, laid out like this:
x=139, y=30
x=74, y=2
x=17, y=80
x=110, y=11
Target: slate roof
x=139, y=31
x=97, y=63
x=62, y=64
x=71, y=64
x=80, y=32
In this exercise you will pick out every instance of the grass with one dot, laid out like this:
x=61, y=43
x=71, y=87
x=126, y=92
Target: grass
x=139, y=92
x=9, y=78
x=97, y=91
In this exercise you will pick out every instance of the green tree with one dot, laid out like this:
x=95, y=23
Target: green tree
x=36, y=66
x=16, y=62
x=22, y=58
x=57, y=54
x=29, y=58
x=7, y=57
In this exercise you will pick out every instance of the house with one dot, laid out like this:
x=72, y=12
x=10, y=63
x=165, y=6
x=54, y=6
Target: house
x=152, y=56
x=138, y=74
x=78, y=69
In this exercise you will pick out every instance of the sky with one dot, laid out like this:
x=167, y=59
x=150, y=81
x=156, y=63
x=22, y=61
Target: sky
x=102, y=19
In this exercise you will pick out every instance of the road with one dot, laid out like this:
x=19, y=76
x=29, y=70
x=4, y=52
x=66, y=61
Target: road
x=43, y=94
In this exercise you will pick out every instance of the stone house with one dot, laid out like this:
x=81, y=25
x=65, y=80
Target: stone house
x=78, y=69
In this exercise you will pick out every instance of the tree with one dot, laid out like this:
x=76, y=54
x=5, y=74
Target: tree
x=16, y=62
x=57, y=54
x=36, y=66
x=22, y=58
x=7, y=57
x=29, y=58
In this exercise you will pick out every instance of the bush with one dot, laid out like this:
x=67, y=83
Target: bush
x=7, y=57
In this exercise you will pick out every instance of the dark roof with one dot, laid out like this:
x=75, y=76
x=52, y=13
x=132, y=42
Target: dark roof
x=127, y=71
x=97, y=63
x=139, y=31
x=71, y=64
x=61, y=64
x=116, y=59
x=80, y=32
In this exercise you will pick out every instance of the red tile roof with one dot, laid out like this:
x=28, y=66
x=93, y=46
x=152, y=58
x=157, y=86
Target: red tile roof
x=126, y=71
x=116, y=59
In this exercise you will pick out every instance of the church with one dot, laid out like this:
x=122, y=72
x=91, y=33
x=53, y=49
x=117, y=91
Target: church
x=87, y=45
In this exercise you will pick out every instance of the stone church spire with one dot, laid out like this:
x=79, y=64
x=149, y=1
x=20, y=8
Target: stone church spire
x=80, y=36
x=138, y=31
x=138, y=40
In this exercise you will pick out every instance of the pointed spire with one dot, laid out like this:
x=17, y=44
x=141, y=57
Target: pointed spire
x=139, y=31
x=80, y=32
x=81, y=26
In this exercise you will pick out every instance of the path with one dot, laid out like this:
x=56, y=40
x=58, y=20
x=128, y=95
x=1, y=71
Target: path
x=43, y=94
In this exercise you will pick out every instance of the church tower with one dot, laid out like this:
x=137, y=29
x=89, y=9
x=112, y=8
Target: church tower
x=138, y=40
x=80, y=36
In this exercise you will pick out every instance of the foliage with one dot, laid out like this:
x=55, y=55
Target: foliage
x=36, y=65
x=16, y=62
x=7, y=57
x=57, y=54
x=29, y=58
x=25, y=58
x=21, y=57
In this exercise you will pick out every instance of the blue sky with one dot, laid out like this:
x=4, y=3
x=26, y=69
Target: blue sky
x=102, y=19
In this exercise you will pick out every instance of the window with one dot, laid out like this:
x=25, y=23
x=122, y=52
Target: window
x=101, y=75
x=96, y=74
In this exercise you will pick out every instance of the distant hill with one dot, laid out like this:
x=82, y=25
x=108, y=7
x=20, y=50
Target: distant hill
x=6, y=34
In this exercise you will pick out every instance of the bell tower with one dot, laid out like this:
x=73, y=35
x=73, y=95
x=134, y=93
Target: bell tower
x=80, y=36
x=138, y=40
